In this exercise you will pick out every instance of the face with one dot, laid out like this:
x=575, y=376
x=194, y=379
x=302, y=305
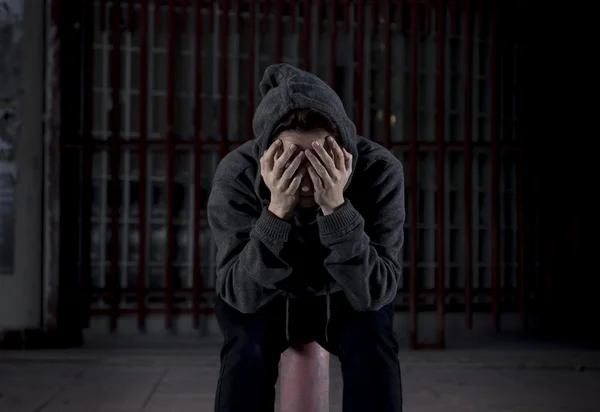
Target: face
x=304, y=141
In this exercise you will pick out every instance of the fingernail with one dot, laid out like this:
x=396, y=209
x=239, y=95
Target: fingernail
x=316, y=144
x=278, y=142
x=330, y=138
x=292, y=147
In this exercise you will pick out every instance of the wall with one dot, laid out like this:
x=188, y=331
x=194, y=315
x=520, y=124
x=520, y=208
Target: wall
x=21, y=63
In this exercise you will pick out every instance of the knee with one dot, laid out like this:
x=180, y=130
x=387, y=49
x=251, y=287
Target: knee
x=370, y=333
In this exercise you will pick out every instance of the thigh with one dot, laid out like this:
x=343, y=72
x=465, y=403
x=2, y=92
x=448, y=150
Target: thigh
x=264, y=328
x=349, y=329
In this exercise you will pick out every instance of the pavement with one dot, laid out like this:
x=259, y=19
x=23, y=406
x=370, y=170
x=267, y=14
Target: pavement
x=181, y=376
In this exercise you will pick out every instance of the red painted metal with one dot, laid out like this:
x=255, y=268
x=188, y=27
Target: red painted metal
x=360, y=65
x=307, y=31
x=224, y=77
x=414, y=158
x=440, y=162
x=495, y=160
x=115, y=161
x=305, y=379
x=169, y=271
x=468, y=159
x=387, y=103
x=251, y=64
x=142, y=160
x=333, y=52
x=197, y=275
x=279, y=31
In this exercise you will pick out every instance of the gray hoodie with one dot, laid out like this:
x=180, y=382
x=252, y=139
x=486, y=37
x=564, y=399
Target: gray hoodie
x=355, y=250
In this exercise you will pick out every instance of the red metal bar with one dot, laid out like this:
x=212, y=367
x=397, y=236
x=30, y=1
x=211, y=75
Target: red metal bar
x=441, y=183
x=142, y=156
x=414, y=158
x=279, y=31
x=265, y=16
x=305, y=379
x=495, y=153
x=360, y=65
x=333, y=39
x=387, y=103
x=307, y=31
x=251, y=64
x=184, y=6
x=115, y=162
x=169, y=272
x=224, y=76
x=468, y=177
x=88, y=115
x=157, y=11
x=197, y=275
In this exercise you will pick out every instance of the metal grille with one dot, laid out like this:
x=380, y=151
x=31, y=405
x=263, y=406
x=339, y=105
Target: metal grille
x=172, y=89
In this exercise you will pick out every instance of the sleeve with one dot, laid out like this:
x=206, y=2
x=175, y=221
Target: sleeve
x=364, y=253
x=254, y=251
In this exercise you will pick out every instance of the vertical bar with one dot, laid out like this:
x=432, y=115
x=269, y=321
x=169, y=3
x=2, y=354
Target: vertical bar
x=87, y=121
x=468, y=177
x=453, y=17
x=265, y=16
x=414, y=158
x=197, y=275
x=306, y=41
x=333, y=39
x=495, y=149
x=251, y=64
x=360, y=65
x=115, y=158
x=224, y=75
x=400, y=15
x=143, y=178
x=387, y=104
x=170, y=166
x=238, y=15
x=441, y=183
x=279, y=31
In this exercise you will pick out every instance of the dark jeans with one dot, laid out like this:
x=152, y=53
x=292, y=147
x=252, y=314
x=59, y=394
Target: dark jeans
x=364, y=342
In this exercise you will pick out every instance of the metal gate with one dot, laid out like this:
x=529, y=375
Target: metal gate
x=168, y=87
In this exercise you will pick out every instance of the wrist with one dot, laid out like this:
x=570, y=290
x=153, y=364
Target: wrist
x=330, y=209
x=281, y=212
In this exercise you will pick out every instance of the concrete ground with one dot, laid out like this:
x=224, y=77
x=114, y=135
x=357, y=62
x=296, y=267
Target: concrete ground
x=181, y=376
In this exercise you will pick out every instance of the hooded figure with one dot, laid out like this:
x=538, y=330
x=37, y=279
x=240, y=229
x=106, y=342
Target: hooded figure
x=308, y=255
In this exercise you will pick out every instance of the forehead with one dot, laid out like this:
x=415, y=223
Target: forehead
x=302, y=139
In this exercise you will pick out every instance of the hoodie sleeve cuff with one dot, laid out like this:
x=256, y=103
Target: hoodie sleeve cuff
x=339, y=221
x=270, y=227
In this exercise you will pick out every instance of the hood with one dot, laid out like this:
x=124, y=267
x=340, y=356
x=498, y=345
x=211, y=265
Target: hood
x=285, y=88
